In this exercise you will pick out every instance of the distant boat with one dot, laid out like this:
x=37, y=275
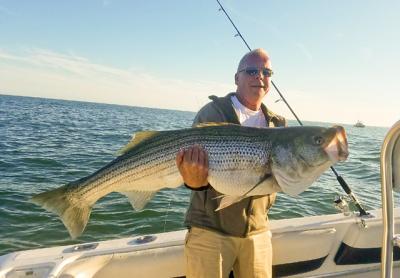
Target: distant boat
x=359, y=124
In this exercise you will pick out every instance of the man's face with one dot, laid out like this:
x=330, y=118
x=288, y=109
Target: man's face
x=253, y=88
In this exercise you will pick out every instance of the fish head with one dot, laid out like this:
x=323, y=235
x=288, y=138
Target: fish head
x=304, y=153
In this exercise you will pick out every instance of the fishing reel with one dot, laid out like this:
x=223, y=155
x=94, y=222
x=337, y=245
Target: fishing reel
x=342, y=205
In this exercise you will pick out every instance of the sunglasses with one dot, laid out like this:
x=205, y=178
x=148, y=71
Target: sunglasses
x=253, y=71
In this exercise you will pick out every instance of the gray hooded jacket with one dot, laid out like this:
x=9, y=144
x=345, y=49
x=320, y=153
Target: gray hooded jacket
x=246, y=217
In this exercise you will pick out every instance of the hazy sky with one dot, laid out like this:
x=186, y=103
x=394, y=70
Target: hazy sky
x=334, y=61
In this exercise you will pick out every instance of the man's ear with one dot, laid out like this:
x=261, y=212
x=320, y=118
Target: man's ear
x=236, y=79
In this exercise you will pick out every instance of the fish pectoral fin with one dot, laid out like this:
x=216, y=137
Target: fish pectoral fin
x=136, y=139
x=139, y=199
x=266, y=185
x=226, y=201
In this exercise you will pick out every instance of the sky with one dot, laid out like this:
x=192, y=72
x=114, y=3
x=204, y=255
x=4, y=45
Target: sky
x=334, y=61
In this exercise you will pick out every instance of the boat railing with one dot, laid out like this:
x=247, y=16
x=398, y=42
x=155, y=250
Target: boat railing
x=390, y=180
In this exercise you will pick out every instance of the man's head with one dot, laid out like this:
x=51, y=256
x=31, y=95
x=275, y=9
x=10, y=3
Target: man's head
x=253, y=78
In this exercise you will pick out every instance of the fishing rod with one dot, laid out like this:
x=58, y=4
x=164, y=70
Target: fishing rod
x=339, y=178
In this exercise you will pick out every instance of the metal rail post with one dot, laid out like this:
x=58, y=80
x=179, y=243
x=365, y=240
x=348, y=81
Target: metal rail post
x=388, y=238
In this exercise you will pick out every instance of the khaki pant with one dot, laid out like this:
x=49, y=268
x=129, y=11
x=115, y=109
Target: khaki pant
x=209, y=254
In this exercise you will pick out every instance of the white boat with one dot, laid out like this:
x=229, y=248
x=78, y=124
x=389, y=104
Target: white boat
x=359, y=124
x=338, y=245
x=319, y=246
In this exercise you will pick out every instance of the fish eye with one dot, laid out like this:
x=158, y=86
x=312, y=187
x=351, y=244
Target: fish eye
x=318, y=140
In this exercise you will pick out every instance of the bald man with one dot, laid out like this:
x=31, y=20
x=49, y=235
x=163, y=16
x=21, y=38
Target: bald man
x=237, y=237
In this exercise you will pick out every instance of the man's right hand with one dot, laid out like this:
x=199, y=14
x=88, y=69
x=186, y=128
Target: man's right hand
x=192, y=163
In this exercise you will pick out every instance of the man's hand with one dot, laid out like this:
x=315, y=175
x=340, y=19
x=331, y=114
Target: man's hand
x=193, y=166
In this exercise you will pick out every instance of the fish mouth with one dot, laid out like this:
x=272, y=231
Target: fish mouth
x=337, y=149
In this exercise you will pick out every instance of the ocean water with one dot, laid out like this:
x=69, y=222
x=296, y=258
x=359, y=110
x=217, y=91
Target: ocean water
x=46, y=143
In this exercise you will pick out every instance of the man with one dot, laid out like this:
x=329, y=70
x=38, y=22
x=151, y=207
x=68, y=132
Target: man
x=236, y=237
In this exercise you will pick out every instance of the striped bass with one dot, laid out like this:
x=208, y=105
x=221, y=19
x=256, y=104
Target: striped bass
x=243, y=161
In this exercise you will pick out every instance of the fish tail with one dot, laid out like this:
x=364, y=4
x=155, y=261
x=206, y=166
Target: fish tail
x=73, y=212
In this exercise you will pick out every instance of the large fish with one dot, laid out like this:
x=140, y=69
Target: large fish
x=243, y=161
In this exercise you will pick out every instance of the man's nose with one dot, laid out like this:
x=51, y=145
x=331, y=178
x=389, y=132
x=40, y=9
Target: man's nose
x=260, y=75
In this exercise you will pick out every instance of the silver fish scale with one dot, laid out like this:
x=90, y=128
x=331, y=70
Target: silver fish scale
x=236, y=156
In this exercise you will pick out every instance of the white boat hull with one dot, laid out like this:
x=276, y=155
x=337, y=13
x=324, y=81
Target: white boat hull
x=317, y=246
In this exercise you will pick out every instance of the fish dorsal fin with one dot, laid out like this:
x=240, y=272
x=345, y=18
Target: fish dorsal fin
x=136, y=139
x=212, y=124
